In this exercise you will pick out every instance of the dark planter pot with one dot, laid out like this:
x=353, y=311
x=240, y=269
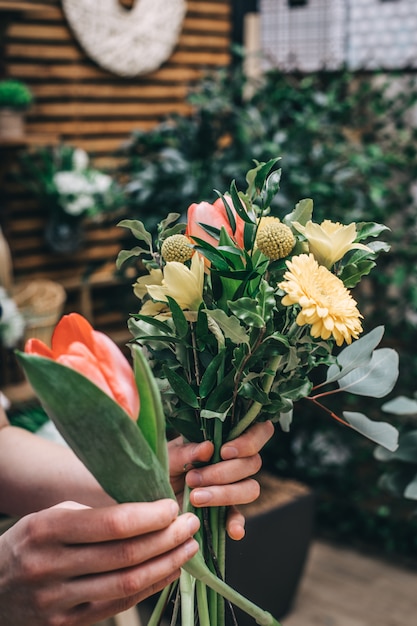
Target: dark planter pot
x=267, y=564
x=64, y=233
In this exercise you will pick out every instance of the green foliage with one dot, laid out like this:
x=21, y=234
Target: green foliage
x=15, y=95
x=344, y=142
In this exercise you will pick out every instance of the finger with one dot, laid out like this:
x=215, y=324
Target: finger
x=248, y=444
x=182, y=456
x=93, y=612
x=105, y=524
x=235, y=524
x=131, y=581
x=224, y=473
x=115, y=555
x=243, y=492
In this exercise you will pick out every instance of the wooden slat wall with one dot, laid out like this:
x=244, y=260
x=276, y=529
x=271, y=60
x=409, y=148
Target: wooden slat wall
x=79, y=103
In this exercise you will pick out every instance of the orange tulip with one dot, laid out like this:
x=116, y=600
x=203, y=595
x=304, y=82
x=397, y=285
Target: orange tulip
x=94, y=355
x=213, y=215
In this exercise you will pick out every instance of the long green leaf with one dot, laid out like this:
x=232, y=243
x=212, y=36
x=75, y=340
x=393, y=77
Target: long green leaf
x=151, y=416
x=100, y=432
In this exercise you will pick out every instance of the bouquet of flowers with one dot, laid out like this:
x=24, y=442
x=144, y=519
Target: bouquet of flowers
x=242, y=314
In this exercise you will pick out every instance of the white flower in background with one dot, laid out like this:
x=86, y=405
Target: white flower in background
x=80, y=159
x=71, y=183
x=100, y=183
x=12, y=324
x=79, y=205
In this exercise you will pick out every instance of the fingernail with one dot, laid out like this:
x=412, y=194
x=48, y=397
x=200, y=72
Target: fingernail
x=194, y=478
x=229, y=452
x=174, y=508
x=193, y=524
x=191, y=547
x=202, y=496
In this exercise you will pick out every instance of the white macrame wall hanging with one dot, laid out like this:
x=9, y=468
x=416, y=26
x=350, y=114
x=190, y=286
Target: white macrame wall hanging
x=126, y=42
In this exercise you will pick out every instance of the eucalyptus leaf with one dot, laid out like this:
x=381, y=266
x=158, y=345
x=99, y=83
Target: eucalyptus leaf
x=356, y=354
x=376, y=378
x=380, y=432
x=411, y=489
x=401, y=406
x=285, y=420
x=406, y=451
x=100, y=432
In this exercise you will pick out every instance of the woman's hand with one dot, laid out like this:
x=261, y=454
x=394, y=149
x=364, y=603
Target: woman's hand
x=227, y=483
x=72, y=565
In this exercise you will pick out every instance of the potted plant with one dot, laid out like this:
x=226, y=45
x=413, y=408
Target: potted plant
x=15, y=99
x=70, y=190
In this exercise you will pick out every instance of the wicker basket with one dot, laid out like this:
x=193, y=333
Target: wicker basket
x=41, y=303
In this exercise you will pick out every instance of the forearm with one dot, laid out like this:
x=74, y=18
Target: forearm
x=36, y=473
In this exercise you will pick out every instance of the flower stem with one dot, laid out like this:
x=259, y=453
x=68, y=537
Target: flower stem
x=254, y=410
x=197, y=568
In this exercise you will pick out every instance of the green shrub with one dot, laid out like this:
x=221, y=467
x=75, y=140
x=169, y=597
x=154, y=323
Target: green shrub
x=15, y=95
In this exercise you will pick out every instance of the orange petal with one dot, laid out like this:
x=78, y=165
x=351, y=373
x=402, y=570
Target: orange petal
x=117, y=372
x=36, y=346
x=70, y=328
x=88, y=369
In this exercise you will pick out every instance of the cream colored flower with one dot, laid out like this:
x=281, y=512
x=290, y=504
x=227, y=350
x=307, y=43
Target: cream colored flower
x=183, y=284
x=329, y=241
x=153, y=278
x=326, y=304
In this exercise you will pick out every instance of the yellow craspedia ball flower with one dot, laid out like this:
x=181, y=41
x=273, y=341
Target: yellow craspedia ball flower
x=274, y=238
x=177, y=248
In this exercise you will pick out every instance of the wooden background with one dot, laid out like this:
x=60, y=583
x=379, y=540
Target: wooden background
x=79, y=103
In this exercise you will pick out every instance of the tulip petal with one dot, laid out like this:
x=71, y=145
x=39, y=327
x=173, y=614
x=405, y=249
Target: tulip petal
x=36, y=346
x=70, y=328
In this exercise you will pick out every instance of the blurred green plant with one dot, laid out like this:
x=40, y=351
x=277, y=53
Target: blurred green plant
x=15, y=95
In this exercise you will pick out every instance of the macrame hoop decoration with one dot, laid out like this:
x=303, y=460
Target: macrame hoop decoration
x=126, y=42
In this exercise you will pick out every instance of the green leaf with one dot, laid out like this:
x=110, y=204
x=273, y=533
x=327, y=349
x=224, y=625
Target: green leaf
x=208, y=415
x=356, y=354
x=138, y=230
x=263, y=170
x=170, y=218
x=401, y=406
x=125, y=255
x=151, y=416
x=369, y=229
x=374, y=379
x=230, y=326
x=100, y=432
x=353, y=272
x=406, y=451
x=411, y=489
x=210, y=376
x=240, y=210
x=266, y=300
x=272, y=187
x=302, y=213
x=380, y=432
x=248, y=311
x=181, y=388
x=181, y=325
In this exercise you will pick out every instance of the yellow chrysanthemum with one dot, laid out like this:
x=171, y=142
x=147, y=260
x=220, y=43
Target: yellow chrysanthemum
x=153, y=278
x=326, y=304
x=183, y=284
x=177, y=248
x=329, y=241
x=274, y=238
